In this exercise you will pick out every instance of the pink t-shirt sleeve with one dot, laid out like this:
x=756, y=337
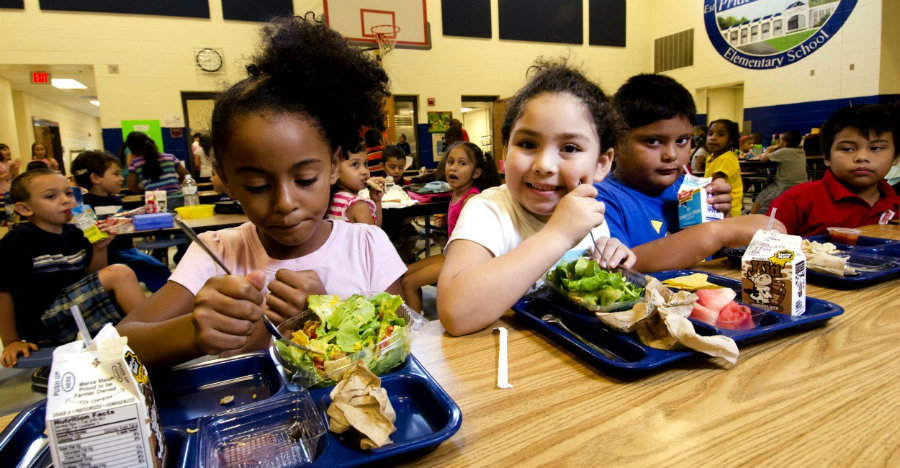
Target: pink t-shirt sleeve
x=196, y=267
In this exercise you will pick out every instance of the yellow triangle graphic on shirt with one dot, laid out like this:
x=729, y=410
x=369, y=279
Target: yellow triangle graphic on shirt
x=656, y=225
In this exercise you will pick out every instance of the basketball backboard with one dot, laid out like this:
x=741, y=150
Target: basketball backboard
x=354, y=19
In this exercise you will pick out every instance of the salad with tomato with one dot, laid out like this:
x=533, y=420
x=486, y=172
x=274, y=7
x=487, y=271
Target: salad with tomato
x=339, y=332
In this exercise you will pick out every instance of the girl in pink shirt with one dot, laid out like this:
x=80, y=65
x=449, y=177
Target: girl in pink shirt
x=278, y=138
x=468, y=171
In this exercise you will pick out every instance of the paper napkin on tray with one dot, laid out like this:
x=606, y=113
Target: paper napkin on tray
x=661, y=322
x=359, y=402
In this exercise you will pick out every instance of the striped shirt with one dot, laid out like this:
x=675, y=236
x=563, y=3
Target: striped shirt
x=340, y=201
x=168, y=178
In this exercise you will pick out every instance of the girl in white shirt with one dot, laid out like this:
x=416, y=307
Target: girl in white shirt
x=559, y=133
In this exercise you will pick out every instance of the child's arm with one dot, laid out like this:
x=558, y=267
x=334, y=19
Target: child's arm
x=100, y=257
x=361, y=212
x=475, y=288
x=133, y=182
x=222, y=317
x=689, y=246
x=12, y=345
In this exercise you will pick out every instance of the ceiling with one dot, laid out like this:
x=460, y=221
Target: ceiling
x=19, y=77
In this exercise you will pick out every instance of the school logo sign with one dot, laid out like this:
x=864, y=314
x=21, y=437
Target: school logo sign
x=765, y=34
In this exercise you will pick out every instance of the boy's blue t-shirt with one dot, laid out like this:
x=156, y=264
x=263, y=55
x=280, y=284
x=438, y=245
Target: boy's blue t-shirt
x=635, y=217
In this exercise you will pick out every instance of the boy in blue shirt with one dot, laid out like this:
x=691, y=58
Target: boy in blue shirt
x=641, y=193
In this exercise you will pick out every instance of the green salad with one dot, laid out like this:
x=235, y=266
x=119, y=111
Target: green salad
x=342, y=331
x=586, y=282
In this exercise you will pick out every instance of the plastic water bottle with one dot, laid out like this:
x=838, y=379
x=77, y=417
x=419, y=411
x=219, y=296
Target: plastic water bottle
x=189, y=191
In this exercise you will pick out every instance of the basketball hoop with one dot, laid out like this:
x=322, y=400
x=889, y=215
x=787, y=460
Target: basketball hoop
x=386, y=37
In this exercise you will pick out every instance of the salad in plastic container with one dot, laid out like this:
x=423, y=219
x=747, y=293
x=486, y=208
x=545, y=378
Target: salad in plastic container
x=376, y=328
x=593, y=288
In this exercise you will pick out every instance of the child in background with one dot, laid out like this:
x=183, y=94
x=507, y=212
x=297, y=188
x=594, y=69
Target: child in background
x=641, y=195
x=468, y=171
x=722, y=163
x=791, y=169
x=860, y=145
x=149, y=169
x=39, y=153
x=49, y=266
x=374, y=142
x=394, y=163
x=101, y=175
x=345, y=204
x=278, y=138
x=404, y=145
x=9, y=169
x=559, y=133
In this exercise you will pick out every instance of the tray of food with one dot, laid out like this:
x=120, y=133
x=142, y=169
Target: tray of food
x=213, y=398
x=840, y=265
x=624, y=353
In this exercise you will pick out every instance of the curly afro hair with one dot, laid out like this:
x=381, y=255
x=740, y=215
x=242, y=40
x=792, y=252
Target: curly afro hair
x=305, y=68
x=559, y=77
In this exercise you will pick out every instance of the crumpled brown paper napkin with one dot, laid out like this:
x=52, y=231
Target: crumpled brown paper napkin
x=661, y=322
x=358, y=401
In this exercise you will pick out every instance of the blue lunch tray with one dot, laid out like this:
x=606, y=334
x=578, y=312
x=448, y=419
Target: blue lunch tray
x=876, y=260
x=426, y=415
x=634, y=356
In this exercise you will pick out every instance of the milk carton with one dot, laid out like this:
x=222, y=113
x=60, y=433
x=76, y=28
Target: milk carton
x=100, y=407
x=773, y=273
x=692, y=205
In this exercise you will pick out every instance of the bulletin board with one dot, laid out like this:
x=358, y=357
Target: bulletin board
x=149, y=127
x=439, y=122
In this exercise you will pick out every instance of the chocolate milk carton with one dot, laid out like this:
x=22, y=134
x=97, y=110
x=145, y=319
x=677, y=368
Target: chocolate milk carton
x=692, y=205
x=773, y=273
x=100, y=407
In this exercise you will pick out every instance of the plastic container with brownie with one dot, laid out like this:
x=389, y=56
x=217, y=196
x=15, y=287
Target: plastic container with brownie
x=374, y=327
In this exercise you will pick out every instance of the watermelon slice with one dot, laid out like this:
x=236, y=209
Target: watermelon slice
x=715, y=299
x=735, y=317
x=704, y=314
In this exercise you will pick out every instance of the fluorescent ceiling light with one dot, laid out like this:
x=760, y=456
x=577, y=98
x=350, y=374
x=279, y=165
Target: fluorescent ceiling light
x=95, y=102
x=67, y=83
x=466, y=109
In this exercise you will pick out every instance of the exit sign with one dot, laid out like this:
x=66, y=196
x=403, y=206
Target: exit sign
x=40, y=77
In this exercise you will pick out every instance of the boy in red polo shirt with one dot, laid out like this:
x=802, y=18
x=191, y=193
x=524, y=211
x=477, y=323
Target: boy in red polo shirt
x=860, y=145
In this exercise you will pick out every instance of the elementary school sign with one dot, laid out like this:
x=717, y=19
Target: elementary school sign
x=765, y=34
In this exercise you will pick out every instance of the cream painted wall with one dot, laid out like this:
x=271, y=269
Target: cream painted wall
x=8, y=134
x=76, y=129
x=155, y=57
x=858, y=43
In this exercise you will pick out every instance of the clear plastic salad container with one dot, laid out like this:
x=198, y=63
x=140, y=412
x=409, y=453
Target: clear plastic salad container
x=279, y=432
x=310, y=369
x=609, y=283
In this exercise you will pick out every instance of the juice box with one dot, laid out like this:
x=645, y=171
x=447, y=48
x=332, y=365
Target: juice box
x=692, y=205
x=773, y=273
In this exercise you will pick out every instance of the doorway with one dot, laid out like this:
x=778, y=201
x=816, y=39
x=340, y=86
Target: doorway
x=46, y=132
x=406, y=115
x=198, y=109
x=726, y=102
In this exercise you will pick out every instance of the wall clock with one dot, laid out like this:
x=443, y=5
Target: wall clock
x=209, y=60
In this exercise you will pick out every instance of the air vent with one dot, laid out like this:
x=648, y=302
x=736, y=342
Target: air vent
x=674, y=51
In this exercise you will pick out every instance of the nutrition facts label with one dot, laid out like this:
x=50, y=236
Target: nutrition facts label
x=105, y=438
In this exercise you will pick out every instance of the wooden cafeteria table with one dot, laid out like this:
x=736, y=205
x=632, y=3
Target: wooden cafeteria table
x=823, y=397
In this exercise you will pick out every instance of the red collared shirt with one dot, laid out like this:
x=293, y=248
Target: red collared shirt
x=811, y=208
